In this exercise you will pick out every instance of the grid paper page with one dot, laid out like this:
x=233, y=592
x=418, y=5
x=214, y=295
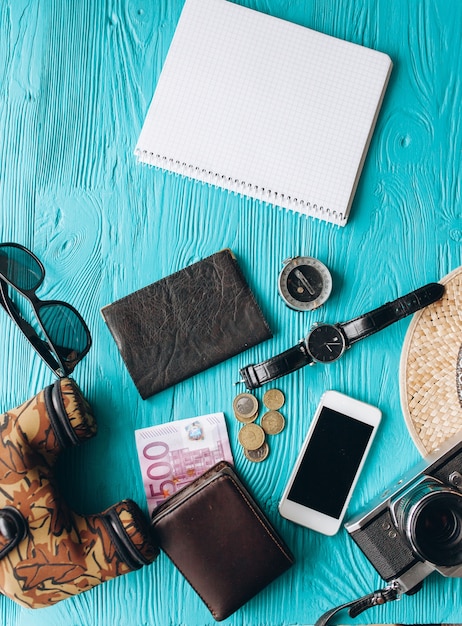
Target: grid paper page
x=265, y=107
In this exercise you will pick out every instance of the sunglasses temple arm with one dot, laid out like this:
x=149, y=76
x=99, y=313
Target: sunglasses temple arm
x=40, y=346
x=43, y=350
x=2, y=299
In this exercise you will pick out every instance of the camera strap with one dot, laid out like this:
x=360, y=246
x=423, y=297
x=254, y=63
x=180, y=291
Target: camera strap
x=355, y=607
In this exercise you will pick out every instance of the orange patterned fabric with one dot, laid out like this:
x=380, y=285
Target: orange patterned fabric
x=63, y=553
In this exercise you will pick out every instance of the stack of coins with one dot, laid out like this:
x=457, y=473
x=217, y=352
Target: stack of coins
x=245, y=407
x=273, y=421
x=252, y=437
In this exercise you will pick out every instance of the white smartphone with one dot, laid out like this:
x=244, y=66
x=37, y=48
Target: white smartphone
x=329, y=463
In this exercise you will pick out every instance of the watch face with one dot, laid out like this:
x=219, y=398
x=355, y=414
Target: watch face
x=325, y=343
x=305, y=283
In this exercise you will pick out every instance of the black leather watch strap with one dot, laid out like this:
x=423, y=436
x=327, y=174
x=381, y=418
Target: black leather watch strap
x=293, y=359
x=380, y=318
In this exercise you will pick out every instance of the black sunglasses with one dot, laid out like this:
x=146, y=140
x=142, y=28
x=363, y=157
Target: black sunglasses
x=60, y=336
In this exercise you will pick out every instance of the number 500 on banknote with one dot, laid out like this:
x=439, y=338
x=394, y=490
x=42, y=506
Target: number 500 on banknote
x=172, y=455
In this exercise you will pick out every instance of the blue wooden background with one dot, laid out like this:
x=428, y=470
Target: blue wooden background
x=76, y=79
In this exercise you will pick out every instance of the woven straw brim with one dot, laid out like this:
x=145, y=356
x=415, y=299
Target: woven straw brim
x=430, y=369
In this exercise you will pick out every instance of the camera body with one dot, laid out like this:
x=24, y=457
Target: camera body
x=415, y=527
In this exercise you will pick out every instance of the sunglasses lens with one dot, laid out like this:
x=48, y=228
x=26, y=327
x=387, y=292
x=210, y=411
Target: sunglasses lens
x=20, y=305
x=66, y=331
x=20, y=268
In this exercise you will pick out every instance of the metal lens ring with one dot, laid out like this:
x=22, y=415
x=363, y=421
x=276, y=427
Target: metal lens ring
x=438, y=529
x=431, y=517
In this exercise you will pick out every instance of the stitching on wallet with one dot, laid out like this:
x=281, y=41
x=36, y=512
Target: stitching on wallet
x=250, y=505
x=262, y=521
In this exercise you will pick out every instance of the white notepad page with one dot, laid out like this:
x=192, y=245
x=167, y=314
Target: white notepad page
x=265, y=107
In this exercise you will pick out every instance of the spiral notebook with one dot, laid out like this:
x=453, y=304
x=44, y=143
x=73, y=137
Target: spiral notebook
x=264, y=107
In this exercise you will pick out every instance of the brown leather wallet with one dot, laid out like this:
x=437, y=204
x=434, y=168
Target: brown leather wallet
x=186, y=322
x=220, y=540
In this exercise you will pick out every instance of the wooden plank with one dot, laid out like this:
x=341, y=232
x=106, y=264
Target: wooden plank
x=75, y=83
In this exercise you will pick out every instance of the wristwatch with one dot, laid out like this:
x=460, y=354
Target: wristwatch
x=325, y=343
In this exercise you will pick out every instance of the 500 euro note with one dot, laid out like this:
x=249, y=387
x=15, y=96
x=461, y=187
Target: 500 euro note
x=172, y=455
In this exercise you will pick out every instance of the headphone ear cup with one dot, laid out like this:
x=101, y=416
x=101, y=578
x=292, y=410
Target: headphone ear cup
x=70, y=414
x=13, y=529
x=131, y=534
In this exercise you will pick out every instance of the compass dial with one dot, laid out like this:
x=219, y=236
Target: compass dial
x=304, y=283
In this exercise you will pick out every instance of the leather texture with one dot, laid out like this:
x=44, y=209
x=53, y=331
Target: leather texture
x=220, y=540
x=186, y=323
x=289, y=361
x=358, y=328
x=380, y=318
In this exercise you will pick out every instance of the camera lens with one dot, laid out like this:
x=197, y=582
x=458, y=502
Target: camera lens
x=438, y=530
x=431, y=517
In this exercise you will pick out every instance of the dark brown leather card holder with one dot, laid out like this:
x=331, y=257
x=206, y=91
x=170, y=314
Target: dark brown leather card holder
x=221, y=541
x=186, y=323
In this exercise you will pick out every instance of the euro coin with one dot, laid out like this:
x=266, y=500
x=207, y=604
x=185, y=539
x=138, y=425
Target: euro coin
x=245, y=407
x=251, y=436
x=273, y=399
x=273, y=422
x=258, y=455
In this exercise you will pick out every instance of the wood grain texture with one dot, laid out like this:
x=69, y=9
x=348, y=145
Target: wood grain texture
x=76, y=79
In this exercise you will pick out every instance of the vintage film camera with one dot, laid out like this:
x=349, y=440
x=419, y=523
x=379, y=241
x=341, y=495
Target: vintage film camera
x=415, y=527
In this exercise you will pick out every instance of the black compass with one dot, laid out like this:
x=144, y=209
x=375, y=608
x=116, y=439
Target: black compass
x=304, y=283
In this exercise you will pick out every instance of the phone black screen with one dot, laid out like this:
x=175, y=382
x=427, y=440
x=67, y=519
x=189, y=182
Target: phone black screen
x=330, y=462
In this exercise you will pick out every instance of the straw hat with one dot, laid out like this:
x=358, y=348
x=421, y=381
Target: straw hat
x=431, y=369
